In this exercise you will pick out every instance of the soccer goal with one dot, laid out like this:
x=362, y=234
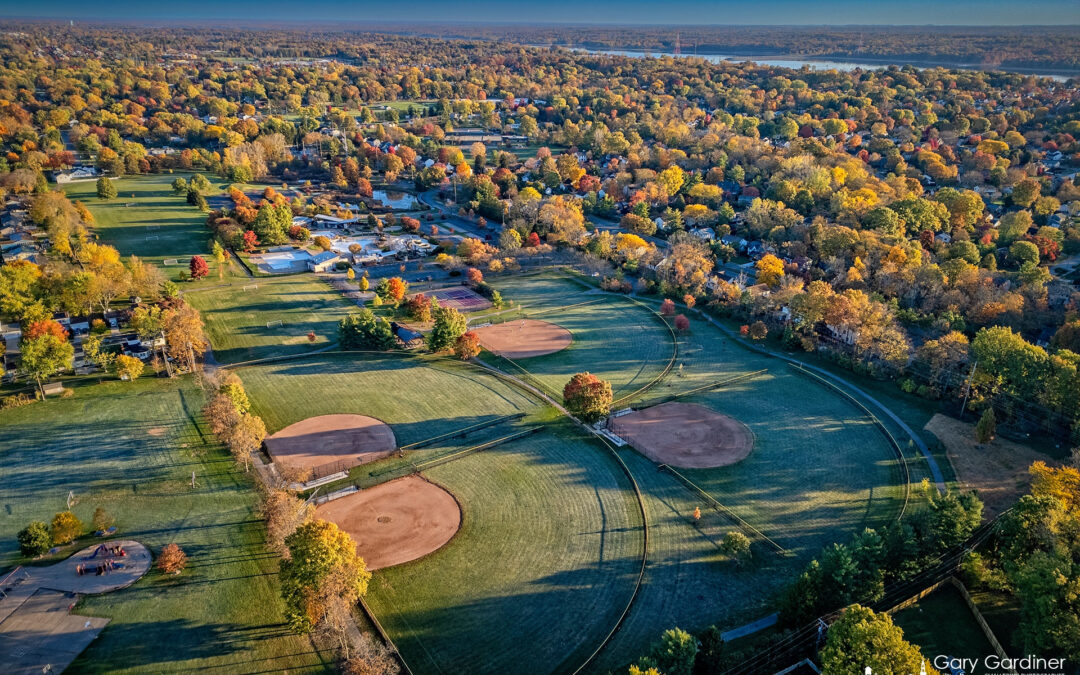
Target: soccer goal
x=253, y=287
x=274, y=324
x=172, y=261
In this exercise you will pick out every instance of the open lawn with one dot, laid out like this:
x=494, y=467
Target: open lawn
x=942, y=624
x=131, y=448
x=148, y=220
x=236, y=315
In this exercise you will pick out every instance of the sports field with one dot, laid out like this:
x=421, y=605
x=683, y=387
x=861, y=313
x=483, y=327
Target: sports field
x=148, y=220
x=131, y=448
x=612, y=337
x=550, y=534
x=236, y=316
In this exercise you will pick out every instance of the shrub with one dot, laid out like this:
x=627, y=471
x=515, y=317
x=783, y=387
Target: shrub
x=172, y=559
x=101, y=520
x=34, y=539
x=682, y=323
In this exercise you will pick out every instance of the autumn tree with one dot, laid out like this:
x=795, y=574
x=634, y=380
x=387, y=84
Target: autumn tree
x=392, y=290
x=283, y=512
x=322, y=570
x=198, y=267
x=419, y=307
x=667, y=307
x=128, y=367
x=682, y=323
x=588, y=397
x=172, y=559
x=65, y=528
x=244, y=437
x=467, y=345
x=770, y=270
x=184, y=335
x=758, y=330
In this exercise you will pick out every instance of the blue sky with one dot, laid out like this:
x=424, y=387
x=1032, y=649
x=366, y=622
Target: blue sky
x=816, y=12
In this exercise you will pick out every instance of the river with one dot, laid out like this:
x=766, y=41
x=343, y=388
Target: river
x=796, y=62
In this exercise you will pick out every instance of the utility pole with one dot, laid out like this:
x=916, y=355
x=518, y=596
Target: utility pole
x=164, y=356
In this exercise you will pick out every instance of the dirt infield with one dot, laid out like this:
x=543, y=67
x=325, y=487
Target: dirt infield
x=524, y=338
x=396, y=522
x=685, y=435
x=339, y=440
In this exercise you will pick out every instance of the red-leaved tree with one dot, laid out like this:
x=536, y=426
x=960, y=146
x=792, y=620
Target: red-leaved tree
x=45, y=327
x=199, y=268
x=682, y=323
x=667, y=307
x=467, y=345
x=250, y=240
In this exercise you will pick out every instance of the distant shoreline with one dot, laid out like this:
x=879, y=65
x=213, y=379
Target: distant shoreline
x=863, y=60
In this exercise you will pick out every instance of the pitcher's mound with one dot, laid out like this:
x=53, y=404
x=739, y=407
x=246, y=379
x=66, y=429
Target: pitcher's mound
x=685, y=435
x=396, y=522
x=320, y=442
x=523, y=339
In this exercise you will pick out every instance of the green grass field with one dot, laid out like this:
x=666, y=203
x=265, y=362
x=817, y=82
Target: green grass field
x=613, y=338
x=237, y=312
x=131, y=448
x=148, y=220
x=942, y=624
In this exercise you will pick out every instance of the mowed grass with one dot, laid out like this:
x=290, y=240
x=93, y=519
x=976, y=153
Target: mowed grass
x=545, y=561
x=419, y=398
x=613, y=338
x=551, y=536
x=132, y=448
x=942, y=624
x=236, y=315
x=148, y=220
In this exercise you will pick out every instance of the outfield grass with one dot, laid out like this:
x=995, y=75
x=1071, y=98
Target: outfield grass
x=419, y=398
x=145, y=206
x=942, y=624
x=236, y=318
x=544, y=563
x=131, y=448
x=613, y=338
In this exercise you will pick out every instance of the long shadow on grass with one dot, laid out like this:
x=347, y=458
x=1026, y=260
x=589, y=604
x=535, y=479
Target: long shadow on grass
x=170, y=643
